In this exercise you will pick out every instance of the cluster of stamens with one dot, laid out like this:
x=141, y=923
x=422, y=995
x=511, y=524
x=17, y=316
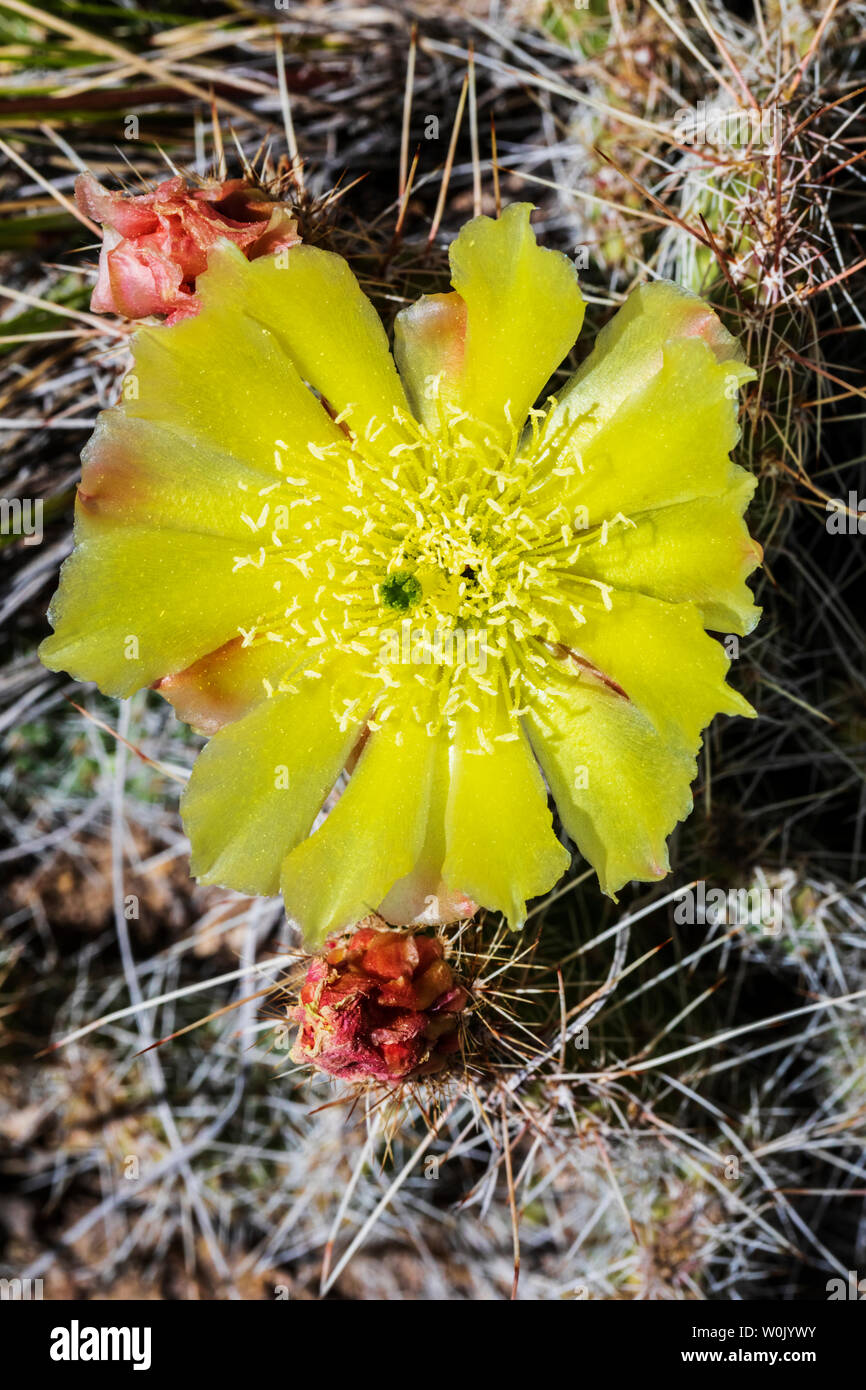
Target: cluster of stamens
x=393, y=533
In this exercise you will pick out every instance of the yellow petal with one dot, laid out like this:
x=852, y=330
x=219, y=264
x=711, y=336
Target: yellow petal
x=669, y=443
x=501, y=845
x=523, y=313
x=620, y=786
x=422, y=895
x=222, y=379
x=651, y=417
x=135, y=604
x=629, y=352
x=666, y=664
x=318, y=315
x=370, y=840
x=148, y=474
x=699, y=552
x=259, y=784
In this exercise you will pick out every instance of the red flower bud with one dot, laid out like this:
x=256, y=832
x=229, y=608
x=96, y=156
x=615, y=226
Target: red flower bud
x=380, y=1006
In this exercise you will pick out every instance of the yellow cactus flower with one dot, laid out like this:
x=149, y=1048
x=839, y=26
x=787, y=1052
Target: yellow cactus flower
x=417, y=579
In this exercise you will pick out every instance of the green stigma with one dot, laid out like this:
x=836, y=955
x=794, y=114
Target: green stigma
x=401, y=590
